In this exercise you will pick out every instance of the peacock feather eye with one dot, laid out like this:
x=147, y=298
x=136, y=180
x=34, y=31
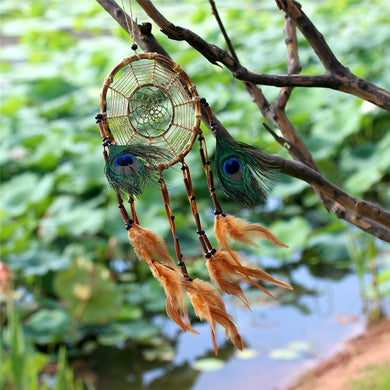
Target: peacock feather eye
x=232, y=167
x=124, y=160
x=125, y=163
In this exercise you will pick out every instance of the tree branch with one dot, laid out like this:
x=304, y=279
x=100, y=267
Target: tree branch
x=337, y=76
x=340, y=78
x=143, y=36
x=365, y=215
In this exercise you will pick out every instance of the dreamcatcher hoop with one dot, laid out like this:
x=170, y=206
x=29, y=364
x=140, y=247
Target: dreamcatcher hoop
x=149, y=99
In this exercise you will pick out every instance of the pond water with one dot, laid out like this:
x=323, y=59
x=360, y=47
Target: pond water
x=282, y=339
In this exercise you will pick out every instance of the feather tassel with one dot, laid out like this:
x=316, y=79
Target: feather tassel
x=172, y=283
x=227, y=227
x=148, y=245
x=226, y=275
x=243, y=172
x=209, y=306
x=130, y=168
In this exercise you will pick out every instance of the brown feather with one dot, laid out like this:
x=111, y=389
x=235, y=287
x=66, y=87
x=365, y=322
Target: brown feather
x=266, y=277
x=227, y=321
x=148, y=245
x=172, y=283
x=238, y=229
x=209, y=306
x=226, y=275
x=221, y=232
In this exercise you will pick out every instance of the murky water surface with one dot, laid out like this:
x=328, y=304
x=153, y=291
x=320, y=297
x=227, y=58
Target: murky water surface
x=281, y=339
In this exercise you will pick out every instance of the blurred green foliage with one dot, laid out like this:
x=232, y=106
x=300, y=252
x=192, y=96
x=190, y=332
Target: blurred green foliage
x=75, y=273
x=24, y=368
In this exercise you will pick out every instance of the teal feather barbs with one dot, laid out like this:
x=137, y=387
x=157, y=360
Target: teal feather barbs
x=129, y=169
x=244, y=174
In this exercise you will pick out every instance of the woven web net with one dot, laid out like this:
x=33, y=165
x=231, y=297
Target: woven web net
x=150, y=102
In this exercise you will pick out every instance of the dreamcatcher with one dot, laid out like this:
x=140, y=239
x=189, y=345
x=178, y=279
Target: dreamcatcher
x=150, y=115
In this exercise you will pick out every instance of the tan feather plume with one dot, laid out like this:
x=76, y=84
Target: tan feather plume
x=172, y=283
x=232, y=228
x=148, y=245
x=226, y=275
x=209, y=306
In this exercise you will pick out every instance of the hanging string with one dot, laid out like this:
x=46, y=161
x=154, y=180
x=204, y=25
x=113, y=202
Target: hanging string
x=130, y=26
x=171, y=219
x=203, y=239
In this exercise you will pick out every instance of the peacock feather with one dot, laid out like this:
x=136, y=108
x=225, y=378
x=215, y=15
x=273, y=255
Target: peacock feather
x=130, y=168
x=243, y=172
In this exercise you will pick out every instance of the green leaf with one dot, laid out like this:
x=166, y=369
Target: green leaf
x=330, y=246
x=129, y=312
x=246, y=354
x=46, y=325
x=284, y=354
x=16, y=192
x=293, y=233
x=90, y=294
x=46, y=89
x=38, y=261
x=301, y=346
x=137, y=330
x=68, y=216
x=208, y=364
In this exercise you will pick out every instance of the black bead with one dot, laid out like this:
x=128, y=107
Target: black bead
x=134, y=46
x=106, y=141
x=213, y=250
x=99, y=118
x=203, y=100
x=193, y=197
x=207, y=255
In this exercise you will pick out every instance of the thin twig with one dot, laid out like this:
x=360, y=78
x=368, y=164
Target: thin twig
x=222, y=28
x=293, y=63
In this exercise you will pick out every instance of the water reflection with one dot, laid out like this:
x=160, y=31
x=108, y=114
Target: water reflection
x=284, y=337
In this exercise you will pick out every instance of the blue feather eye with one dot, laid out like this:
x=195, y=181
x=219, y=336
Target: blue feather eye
x=231, y=166
x=124, y=160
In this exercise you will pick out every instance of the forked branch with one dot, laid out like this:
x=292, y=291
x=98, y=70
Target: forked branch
x=365, y=215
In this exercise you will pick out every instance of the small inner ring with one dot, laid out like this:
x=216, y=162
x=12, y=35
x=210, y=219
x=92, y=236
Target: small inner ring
x=150, y=110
